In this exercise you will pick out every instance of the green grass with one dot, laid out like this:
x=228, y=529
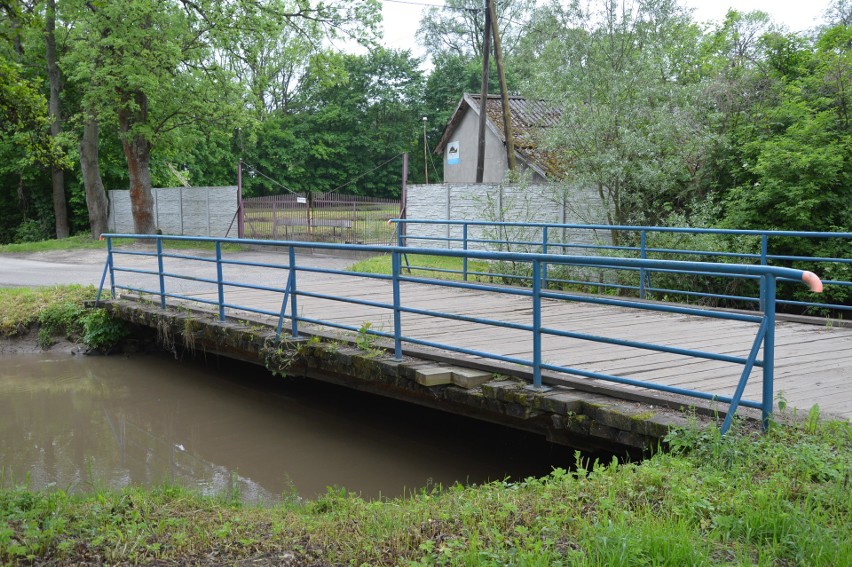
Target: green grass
x=84, y=242
x=443, y=267
x=21, y=309
x=783, y=498
x=79, y=242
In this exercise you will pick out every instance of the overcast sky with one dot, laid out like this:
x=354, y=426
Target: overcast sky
x=401, y=20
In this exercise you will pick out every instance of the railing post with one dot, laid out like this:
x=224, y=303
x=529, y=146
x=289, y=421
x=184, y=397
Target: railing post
x=643, y=254
x=162, y=278
x=111, y=267
x=397, y=314
x=536, y=299
x=768, y=300
x=464, y=247
x=107, y=268
x=764, y=251
x=219, y=280
x=544, y=243
x=294, y=314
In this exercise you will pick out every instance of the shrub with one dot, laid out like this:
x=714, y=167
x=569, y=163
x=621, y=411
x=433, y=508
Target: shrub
x=101, y=331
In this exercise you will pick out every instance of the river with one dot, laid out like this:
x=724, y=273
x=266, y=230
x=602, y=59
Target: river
x=82, y=423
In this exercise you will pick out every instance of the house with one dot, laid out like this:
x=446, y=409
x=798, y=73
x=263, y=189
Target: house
x=460, y=142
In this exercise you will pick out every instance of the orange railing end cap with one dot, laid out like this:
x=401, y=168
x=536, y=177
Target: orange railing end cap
x=813, y=281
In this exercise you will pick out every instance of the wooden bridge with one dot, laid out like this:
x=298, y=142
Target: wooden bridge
x=813, y=361
x=610, y=353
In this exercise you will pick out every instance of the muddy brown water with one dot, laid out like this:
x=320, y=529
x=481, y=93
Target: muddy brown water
x=80, y=423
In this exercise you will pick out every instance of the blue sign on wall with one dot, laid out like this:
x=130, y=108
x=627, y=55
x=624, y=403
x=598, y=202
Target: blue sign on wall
x=453, y=156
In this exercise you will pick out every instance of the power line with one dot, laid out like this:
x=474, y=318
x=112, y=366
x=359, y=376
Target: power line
x=384, y=163
x=254, y=169
x=439, y=6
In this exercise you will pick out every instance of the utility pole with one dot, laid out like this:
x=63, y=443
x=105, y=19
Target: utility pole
x=504, y=93
x=425, y=153
x=483, y=95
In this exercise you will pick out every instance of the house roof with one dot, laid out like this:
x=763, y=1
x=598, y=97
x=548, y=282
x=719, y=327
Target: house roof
x=528, y=116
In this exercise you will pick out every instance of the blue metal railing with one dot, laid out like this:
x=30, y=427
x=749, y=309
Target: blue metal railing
x=121, y=278
x=645, y=242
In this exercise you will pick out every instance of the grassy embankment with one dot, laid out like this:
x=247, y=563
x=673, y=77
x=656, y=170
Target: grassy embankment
x=784, y=498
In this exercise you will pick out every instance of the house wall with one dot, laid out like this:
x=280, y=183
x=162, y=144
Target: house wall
x=496, y=163
x=467, y=135
x=182, y=211
x=542, y=203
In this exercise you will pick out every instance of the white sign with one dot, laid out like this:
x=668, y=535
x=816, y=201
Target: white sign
x=453, y=154
x=301, y=199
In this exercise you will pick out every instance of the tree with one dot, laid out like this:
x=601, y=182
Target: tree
x=796, y=163
x=456, y=28
x=633, y=116
x=60, y=208
x=344, y=132
x=154, y=67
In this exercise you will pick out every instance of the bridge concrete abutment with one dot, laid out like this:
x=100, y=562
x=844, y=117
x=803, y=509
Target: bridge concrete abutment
x=587, y=421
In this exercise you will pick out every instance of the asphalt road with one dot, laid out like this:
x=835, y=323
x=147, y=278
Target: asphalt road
x=86, y=266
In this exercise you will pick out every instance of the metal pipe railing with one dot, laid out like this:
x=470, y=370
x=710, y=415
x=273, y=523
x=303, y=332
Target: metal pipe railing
x=598, y=242
x=764, y=337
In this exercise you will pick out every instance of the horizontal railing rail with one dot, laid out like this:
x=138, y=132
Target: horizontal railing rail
x=753, y=247
x=124, y=277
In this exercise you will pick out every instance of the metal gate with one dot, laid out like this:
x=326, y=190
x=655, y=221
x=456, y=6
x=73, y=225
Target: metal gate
x=319, y=217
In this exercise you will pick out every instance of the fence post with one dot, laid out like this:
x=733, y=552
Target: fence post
x=464, y=247
x=643, y=254
x=536, y=298
x=764, y=250
x=162, y=278
x=544, y=239
x=241, y=228
x=294, y=314
x=397, y=314
x=107, y=268
x=219, y=280
x=768, y=300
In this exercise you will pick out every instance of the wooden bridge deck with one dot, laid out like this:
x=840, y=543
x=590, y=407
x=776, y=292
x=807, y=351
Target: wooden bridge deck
x=813, y=362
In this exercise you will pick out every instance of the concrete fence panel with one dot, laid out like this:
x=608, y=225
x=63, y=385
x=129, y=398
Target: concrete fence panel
x=543, y=203
x=183, y=211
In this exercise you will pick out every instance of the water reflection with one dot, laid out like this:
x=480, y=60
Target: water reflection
x=84, y=422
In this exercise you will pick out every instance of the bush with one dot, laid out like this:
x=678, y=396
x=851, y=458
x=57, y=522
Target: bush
x=101, y=331
x=32, y=231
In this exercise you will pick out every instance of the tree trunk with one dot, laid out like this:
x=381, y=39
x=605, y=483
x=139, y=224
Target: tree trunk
x=137, y=151
x=96, y=199
x=60, y=209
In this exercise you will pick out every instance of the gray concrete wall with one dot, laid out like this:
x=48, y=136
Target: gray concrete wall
x=545, y=203
x=183, y=211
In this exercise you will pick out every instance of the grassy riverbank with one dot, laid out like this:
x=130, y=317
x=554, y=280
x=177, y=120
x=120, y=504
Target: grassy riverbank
x=784, y=498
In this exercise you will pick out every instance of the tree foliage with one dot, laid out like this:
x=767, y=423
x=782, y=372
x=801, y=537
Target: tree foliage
x=345, y=131
x=741, y=124
x=634, y=115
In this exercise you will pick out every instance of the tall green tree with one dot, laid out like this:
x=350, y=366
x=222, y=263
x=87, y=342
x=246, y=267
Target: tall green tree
x=54, y=79
x=344, y=131
x=633, y=115
x=155, y=68
x=456, y=28
x=796, y=162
